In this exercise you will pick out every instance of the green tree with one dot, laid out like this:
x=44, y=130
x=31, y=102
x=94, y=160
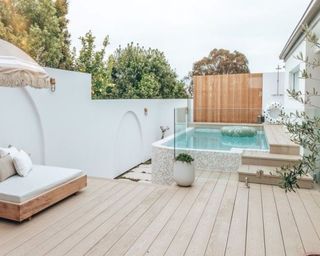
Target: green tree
x=144, y=73
x=218, y=62
x=68, y=57
x=148, y=87
x=40, y=28
x=221, y=61
x=93, y=62
x=13, y=25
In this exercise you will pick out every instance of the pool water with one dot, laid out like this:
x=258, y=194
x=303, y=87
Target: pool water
x=212, y=139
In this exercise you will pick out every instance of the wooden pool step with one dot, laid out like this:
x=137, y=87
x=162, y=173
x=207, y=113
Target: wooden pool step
x=268, y=159
x=284, y=149
x=267, y=175
x=279, y=140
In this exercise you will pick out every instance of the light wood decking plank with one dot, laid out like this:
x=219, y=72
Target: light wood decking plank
x=110, y=239
x=37, y=243
x=306, y=229
x=121, y=217
x=95, y=217
x=316, y=196
x=290, y=233
x=101, y=224
x=236, y=244
x=219, y=235
x=272, y=230
x=201, y=236
x=182, y=238
x=45, y=218
x=141, y=245
x=278, y=135
x=163, y=240
x=312, y=208
x=255, y=245
x=126, y=241
x=98, y=242
x=39, y=226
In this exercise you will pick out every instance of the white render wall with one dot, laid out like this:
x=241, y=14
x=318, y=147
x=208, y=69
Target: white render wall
x=305, y=85
x=291, y=64
x=313, y=53
x=269, y=92
x=67, y=128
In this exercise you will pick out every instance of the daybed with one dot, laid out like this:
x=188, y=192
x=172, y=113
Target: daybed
x=22, y=197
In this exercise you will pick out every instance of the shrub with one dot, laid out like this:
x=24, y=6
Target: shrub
x=185, y=158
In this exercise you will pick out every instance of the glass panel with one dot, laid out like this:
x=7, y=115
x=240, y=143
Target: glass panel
x=219, y=129
x=180, y=127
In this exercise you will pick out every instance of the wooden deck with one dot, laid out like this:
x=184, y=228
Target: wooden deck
x=279, y=140
x=217, y=216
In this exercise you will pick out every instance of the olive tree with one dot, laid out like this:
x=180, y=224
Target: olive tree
x=304, y=126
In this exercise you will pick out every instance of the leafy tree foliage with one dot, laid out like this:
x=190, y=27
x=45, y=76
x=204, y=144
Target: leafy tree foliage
x=221, y=61
x=68, y=57
x=93, y=62
x=143, y=73
x=39, y=27
x=218, y=62
x=304, y=130
x=304, y=126
x=13, y=25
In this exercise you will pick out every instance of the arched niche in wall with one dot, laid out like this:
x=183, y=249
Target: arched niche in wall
x=128, y=144
x=20, y=123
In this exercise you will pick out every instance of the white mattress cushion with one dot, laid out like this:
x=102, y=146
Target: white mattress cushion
x=22, y=163
x=19, y=189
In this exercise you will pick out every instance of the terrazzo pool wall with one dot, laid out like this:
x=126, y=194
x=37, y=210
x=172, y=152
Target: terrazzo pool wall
x=204, y=160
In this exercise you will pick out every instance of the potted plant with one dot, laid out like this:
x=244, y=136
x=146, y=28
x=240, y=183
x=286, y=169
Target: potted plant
x=183, y=170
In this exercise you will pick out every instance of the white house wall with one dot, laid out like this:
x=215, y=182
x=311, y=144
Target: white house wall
x=67, y=128
x=291, y=64
x=313, y=53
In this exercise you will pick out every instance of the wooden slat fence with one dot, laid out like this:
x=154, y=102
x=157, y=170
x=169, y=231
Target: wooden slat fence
x=235, y=98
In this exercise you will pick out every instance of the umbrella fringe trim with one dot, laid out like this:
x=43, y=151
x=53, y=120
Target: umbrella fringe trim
x=23, y=80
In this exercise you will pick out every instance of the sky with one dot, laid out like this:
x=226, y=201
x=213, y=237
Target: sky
x=187, y=30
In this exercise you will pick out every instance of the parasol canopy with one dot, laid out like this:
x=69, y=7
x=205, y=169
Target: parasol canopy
x=18, y=69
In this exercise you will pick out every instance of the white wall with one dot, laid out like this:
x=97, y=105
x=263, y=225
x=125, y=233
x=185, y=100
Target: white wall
x=291, y=64
x=269, y=92
x=313, y=54
x=308, y=50
x=67, y=128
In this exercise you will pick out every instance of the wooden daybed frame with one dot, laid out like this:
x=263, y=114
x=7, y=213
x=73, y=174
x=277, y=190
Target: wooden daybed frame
x=22, y=211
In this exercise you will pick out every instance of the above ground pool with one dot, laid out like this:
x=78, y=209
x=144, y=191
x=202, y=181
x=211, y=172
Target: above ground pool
x=213, y=139
x=213, y=148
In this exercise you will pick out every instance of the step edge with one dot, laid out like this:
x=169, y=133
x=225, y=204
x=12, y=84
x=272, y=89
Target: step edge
x=291, y=158
x=272, y=176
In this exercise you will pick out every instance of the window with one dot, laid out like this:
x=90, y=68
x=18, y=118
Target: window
x=295, y=80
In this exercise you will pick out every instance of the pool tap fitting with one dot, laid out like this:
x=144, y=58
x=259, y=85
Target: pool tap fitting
x=247, y=182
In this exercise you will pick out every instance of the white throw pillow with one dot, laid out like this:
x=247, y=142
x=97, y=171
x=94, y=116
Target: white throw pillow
x=22, y=163
x=8, y=151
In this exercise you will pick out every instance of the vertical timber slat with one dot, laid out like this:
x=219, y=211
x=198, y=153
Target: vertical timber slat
x=232, y=98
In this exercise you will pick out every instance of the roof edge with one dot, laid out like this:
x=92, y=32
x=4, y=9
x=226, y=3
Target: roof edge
x=310, y=13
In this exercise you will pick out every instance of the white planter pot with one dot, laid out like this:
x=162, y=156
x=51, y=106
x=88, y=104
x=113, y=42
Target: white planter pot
x=183, y=173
